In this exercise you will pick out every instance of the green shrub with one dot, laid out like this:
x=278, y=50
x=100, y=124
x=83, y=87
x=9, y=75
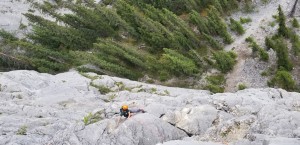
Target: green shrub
x=284, y=79
x=178, y=64
x=295, y=23
x=264, y=56
x=272, y=24
x=217, y=25
x=232, y=54
x=270, y=43
x=164, y=76
x=236, y=26
x=282, y=30
x=248, y=6
x=255, y=47
x=214, y=88
x=249, y=39
x=264, y=73
x=102, y=89
x=295, y=39
x=296, y=48
x=216, y=79
x=92, y=118
x=242, y=86
x=283, y=60
x=245, y=20
x=213, y=43
x=224, y=61
x=215, y=83
x=22, y=130
x=7, y=36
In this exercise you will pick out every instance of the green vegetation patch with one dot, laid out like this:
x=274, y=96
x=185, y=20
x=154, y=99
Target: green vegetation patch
x=283, y=79
x=264, y=56
x=92, y=118
x=216, y=83
x=102, y=89
x=225, y=61
x=130, y=39
x=245, y=20
x=236, y=26
x=242, y=86
x=22, y=130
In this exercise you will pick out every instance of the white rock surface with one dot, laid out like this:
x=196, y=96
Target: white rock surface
x=52, y=107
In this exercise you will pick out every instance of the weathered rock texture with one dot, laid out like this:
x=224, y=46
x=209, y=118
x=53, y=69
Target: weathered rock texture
x=45, y=109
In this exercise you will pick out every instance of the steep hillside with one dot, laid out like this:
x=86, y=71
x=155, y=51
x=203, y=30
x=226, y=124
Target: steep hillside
x=248, y=69
x=82, y=109
x=173, y=44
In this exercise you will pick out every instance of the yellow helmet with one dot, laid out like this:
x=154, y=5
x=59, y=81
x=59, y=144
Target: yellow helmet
x=124, y=107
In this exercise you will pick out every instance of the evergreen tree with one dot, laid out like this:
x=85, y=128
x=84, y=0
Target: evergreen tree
x=295, y=23
x=148, y=30
x=224, y=61
x=248, y=6
x=232, y=5
x=282, y=30
x=178, y=64
x=283, y=55
x=212, y=42
x=270, y=43
x=217, y=23
x=264, y=56
x=284, y=79
x=200, y=22
x=132, y=58
x=295, y=43
x=236, y=26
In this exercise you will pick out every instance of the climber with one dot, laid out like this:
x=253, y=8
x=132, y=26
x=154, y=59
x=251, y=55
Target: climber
x=127, y=113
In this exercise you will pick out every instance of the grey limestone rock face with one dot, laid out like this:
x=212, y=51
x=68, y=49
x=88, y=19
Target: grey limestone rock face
x=193, y=120
x=145, y=129
x=61, y=109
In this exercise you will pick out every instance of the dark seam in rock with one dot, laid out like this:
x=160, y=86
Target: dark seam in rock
x=162, y=115
x=188, y=134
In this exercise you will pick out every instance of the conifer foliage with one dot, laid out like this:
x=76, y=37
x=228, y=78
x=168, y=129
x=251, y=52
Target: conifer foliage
x=128, y=38
x=282, y=30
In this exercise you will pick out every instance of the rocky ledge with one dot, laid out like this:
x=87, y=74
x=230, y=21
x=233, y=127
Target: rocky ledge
x=81, y=108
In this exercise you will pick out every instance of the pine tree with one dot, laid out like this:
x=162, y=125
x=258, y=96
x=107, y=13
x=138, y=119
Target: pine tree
x=150, y=31
x=177, y=63
x=224, y=61
x=200, y=22
x=236, y=26
x=270, y=44
x=264, y=56
x=282, y=30
x=295, y=23
x=213, y=43
x=284, y=79
x=283, y=55
x=217, y=24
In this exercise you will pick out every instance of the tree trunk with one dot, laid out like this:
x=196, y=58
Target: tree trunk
x=294, y=9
